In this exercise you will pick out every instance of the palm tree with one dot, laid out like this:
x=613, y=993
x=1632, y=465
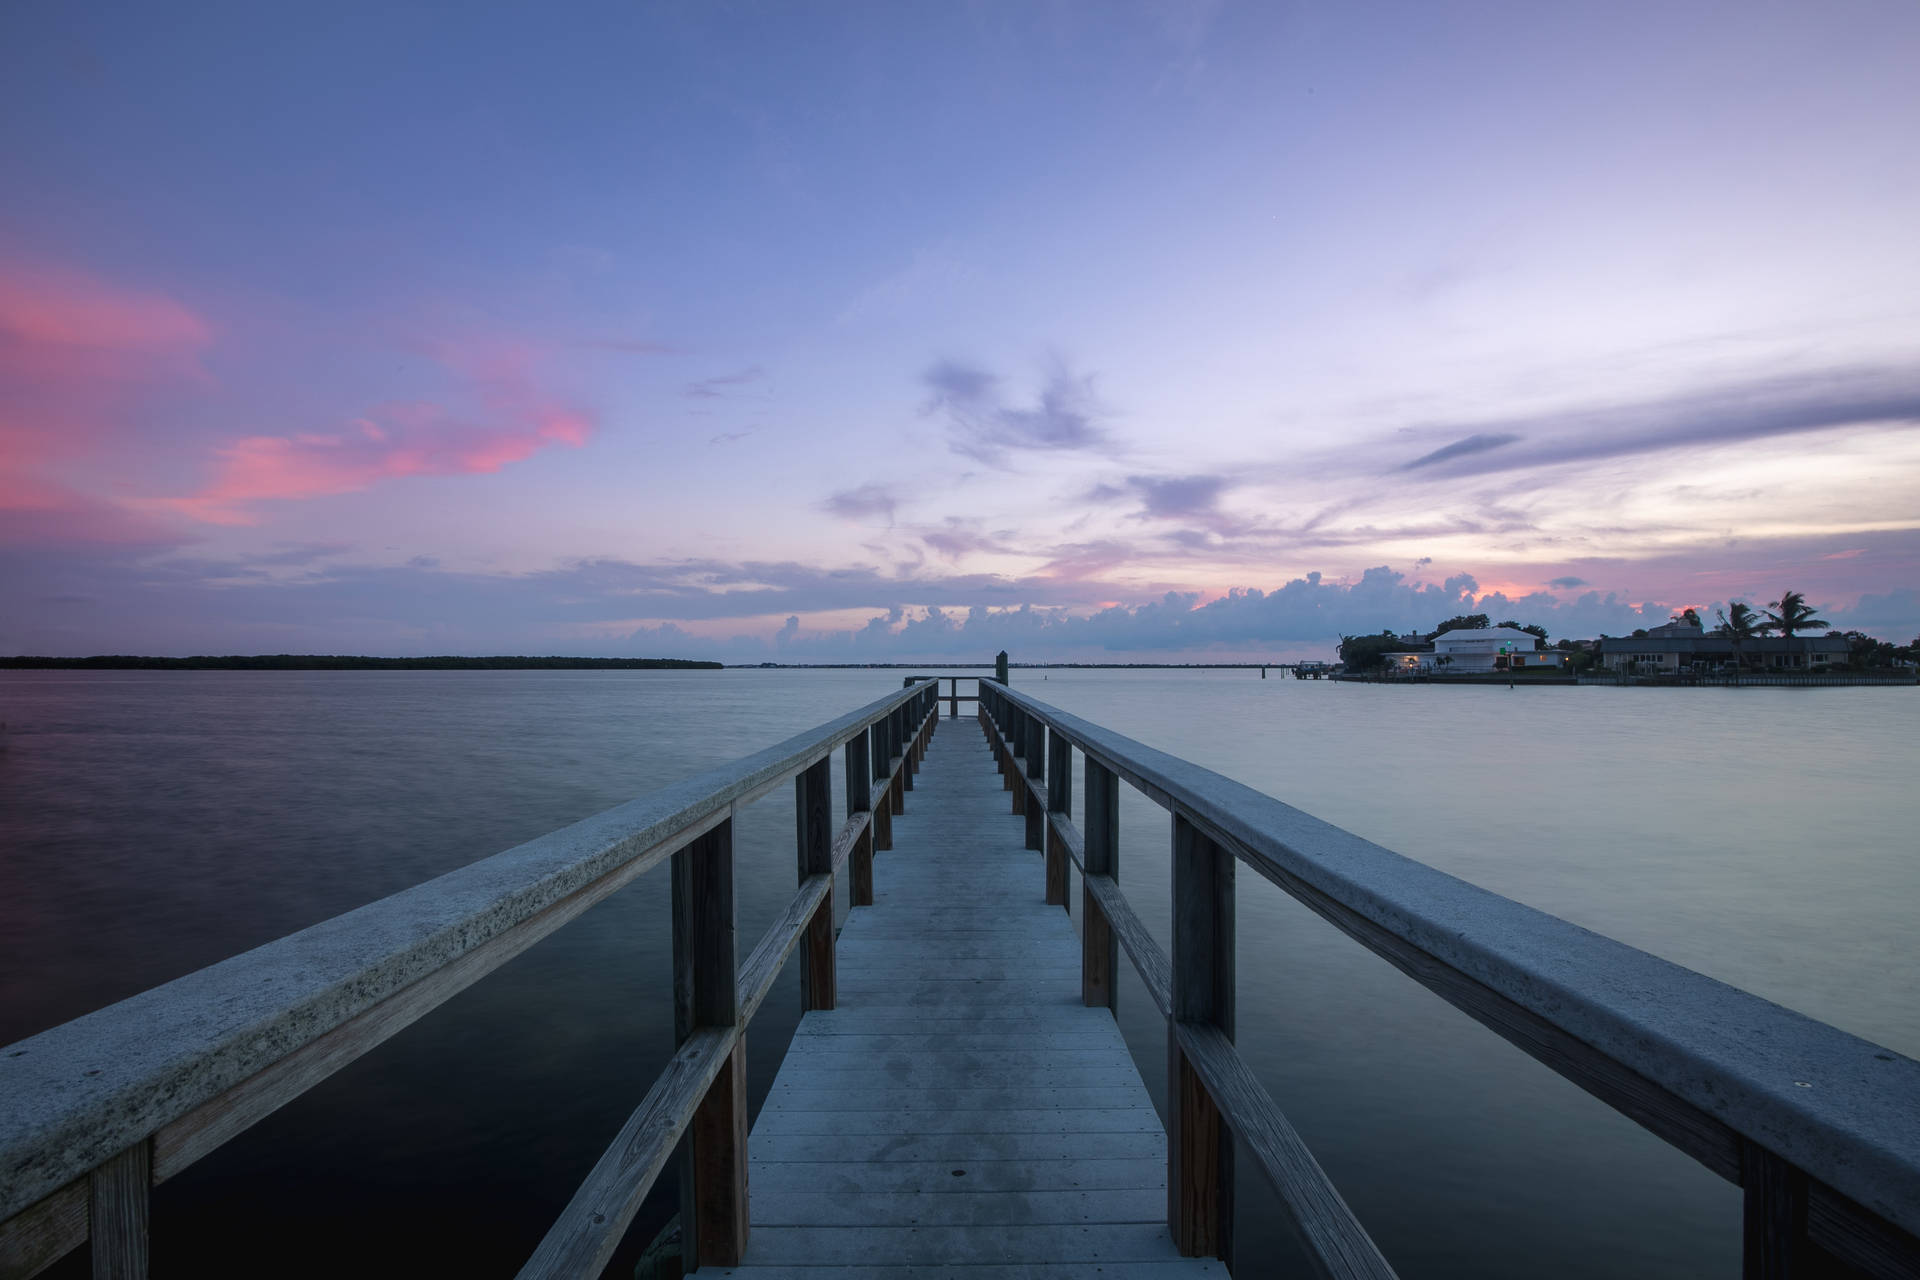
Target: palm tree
x=1791, y=613
x=1739, y=623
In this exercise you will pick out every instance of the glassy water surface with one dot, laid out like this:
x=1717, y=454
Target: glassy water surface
x=155, y=822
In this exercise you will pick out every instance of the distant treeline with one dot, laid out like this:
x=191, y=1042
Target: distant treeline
x=1015, y=666
x=351, y=662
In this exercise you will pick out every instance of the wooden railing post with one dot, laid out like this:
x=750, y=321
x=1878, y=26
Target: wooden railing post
x=1099, y=949
x=1060, y=801
x=117, y=1195
x=997, y=731
x=1034, y=742
x=877, y=763
x=1774, y=1220
x=897, y=747
x=1016, y=738
x=713, y=1174
x=813, y=838
x=991, y=724
x=909, y=746
x=859, y=782
x=1199, y=1144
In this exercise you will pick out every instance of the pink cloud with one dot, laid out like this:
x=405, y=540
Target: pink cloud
x=83, y=365
x=513, y=420
x=59, y=311
x=73, y=350
x=35, y=513
x=311, y=465
x=77, y=359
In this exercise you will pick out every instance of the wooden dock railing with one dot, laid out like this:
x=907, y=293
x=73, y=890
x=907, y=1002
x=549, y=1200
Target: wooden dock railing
x=1821, y=1129
x=95, y=1112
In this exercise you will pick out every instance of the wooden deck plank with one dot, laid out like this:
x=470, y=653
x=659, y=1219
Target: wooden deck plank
x=1016, y=1271
x=1010, y=1098
x=869, y=1022
x=1141, y=1119
x=935, y=1177
x=961, y=1112
x=954, y=1148
x=832, y=1057
x=868, y=1246
x=1036, y=1040
x=1023, y=970
x=978, y=1208
x=1020, y=999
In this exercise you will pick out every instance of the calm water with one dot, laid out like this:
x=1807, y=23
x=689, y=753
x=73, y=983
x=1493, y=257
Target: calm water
x=155, y=822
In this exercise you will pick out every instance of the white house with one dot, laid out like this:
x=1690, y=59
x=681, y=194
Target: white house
x=1484, y=649
x=1478, y=650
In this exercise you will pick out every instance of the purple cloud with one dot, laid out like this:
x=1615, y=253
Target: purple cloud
x=1176, y=497
x=715, y=388
x=1749, y=410
x=963, y=537
x=633, y=346
x=178, y=604
x=982, y=425
x=1462, y=448
x=864, y=503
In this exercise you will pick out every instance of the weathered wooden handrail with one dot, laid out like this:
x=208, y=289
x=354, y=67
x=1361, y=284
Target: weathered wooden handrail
x=97, y=1110
x=1821, y=1128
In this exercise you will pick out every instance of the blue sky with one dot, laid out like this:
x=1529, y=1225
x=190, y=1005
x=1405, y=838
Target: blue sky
x=615, y=328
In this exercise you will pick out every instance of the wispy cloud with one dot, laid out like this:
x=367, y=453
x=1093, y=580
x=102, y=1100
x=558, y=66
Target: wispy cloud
x=1181, y=497
x=1752, y=409
x=983, y=424
x=633, y=346
x=868, y=502
x=303, y=553
x=1462, y=448
x=517, y=418
x=716, y=387
x=962, y=536
x=48, y=318
x=79, y=361
x=1172, y=497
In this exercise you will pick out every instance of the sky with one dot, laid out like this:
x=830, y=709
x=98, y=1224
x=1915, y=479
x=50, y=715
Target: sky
x=882, y=332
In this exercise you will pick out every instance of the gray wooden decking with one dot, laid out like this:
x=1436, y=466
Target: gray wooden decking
x=960, y=1113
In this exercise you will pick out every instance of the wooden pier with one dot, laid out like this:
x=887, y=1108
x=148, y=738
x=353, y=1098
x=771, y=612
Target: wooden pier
x=958, y=1101
x=960, y=1105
